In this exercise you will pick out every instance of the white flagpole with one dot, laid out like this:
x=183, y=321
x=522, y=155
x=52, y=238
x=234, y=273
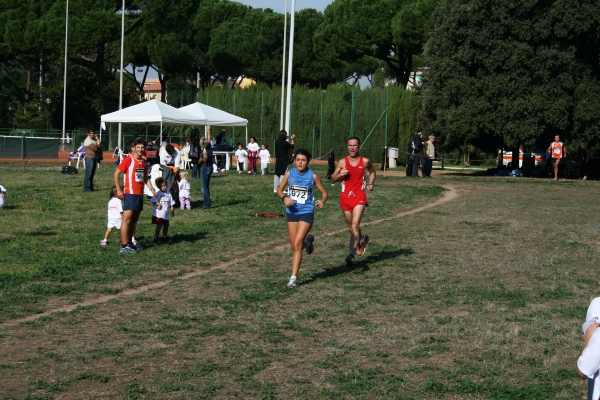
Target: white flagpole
x=65, y=75
x=288, y=108
x=121, y=78
x=283, y=68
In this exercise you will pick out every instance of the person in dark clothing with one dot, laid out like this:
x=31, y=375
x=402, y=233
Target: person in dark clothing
x=417, y=150
x=195, y=143
x=282, y=156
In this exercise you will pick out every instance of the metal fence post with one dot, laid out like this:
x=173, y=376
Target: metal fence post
x=22, y=145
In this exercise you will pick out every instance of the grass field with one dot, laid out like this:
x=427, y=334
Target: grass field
x=479, y=296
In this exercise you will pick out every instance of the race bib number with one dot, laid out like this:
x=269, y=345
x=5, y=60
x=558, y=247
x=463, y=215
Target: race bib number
x=139, y=175
x=557, y=150
x=299, y=194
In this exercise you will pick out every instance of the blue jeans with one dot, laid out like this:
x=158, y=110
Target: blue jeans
x=205, y=173
x=90, y=171
x=195, y=169
x=427, y=167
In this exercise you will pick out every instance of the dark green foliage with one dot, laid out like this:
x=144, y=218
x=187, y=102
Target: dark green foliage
x=505, y=73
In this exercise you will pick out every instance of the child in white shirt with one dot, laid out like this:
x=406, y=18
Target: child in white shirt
x=184, y=191
x=163, y=202
x=115, y=215
x=241, y=155
x=2, y=197
x=265, y=159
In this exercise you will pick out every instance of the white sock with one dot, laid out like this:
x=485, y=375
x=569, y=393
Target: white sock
x=292, y=278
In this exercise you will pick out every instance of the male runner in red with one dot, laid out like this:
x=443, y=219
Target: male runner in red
x=353, y=199
x=558, y=150
x=135, y=169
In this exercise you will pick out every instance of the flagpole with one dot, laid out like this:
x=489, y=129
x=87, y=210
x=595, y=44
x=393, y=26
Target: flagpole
x=65, y=76
x=121, y=78
x=283, y=68
x=288, y=108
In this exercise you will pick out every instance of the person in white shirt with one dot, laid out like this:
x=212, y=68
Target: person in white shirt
x=170, y=156
x=588, y=364
x=115, y=215
x=184, y=191
x=163, y=202
x=2, y=197
x=253, y=149
x=265, y=159
x=241, y=155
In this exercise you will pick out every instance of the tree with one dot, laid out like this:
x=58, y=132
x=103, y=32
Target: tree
x=504, y=73
x=389, y=30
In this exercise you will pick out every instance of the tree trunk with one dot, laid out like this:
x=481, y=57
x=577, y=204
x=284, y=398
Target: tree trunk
x=515, y=158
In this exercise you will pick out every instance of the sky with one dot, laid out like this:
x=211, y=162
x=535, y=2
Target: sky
x=279, y=5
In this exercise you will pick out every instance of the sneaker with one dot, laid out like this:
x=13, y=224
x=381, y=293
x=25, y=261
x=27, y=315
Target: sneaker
x=156, y=240
x=362, y=245
x=292, y=283
x=137, y=244
x=127, y=250
x=103, y=242
x=165, y=239
x=555, y=180
x=308, y=244
x=349, y=260
x=134, y=248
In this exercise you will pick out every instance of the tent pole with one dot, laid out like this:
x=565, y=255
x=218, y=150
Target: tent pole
x=160, y=137
x=246, y=133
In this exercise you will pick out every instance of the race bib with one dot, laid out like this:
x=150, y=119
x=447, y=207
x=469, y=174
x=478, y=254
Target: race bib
x=557, y=150
x=139, y=175
x=299, y=194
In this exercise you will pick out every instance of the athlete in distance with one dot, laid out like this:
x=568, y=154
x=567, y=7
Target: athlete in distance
x=353, y=199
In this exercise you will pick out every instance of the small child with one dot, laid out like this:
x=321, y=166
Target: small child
x=184, y=191
x=115, y=215
x=241, y=155
x=163, y=201
x=2, y=197
x=265, y=159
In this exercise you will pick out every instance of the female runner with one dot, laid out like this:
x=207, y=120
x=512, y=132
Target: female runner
x=300, y=207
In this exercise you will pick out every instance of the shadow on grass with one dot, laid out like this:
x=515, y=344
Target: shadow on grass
x=190, y=237
x=359, y=263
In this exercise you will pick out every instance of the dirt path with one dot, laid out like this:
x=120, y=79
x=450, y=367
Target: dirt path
x=449, y=195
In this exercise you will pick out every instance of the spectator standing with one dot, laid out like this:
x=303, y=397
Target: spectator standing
x=162, y=203
x=2, y=197
x=240, y=155
x=91, y=146
x=283, y=149
x=206, y=170
x=429, y=157
x=265, y=159
x=194, y=153
x=588, y=363
x=253, y=149
x=417, y=150
x=115, y=215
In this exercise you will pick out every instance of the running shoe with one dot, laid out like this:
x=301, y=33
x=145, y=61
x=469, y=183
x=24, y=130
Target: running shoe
x=137, y=244
x=156, y=240
x=134, y=248
x=350, y=260
x=362, y=245
x=555, y=180
x=293, y=283
x=103, y=242
x=308, y=244
x=127, y=250
x=165, y=239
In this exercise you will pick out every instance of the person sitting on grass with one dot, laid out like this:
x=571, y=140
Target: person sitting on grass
x=115, y=215
x=163, y=202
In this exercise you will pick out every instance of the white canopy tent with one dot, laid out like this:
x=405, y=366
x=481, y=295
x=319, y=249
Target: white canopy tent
x=153, y=112
x=214, y=116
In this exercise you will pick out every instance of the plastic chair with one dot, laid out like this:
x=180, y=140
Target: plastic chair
x=185, y=159
x=79, y=155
